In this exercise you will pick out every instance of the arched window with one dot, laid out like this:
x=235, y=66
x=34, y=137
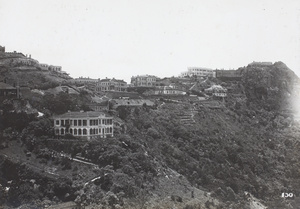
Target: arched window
x=71, y=131
x=110, y=130
x=91, y=131
x=62, y=131
x=75, y=131
x=79, y=131
x=84, y=131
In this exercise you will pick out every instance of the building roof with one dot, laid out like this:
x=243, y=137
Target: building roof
x=200, y=68
x=89, y=114
x=139, y=76
x=119, y=80
x=112, y=80
x=6, y=86
x=215, y=87
x=104, y=80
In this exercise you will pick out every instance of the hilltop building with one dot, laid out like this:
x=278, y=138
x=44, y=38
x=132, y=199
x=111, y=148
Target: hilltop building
x=261, y=64
x=111, y=85
x=89, y=83
x=144, y=80
x=216, y=91
x=199, y=72
x=58, y=71
x=84, y=124
x=44, y=66
x=83, y=80
x=27, y=61
x=169, y=90
x=10, y=55
x=55, y=68
x=16, y=59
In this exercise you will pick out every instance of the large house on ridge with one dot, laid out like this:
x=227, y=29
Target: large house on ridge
x=86, y=125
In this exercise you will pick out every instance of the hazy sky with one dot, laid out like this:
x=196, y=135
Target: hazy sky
x=121, y=38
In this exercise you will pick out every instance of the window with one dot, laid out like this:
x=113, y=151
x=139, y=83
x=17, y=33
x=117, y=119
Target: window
x=79, y=131
x=110, y=130
x=57, y=122
x=96, y=122
x=91, y=131
x=84, y=122
x=79, y=122
x=62, y=122
x=91, y=122
x=75, y=131
x=75, y=122
x=71, y=131
x=84, y=132
x=62, y=131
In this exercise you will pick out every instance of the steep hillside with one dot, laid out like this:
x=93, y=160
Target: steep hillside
x=232, y=153
x=269, y=86
x=30, y=77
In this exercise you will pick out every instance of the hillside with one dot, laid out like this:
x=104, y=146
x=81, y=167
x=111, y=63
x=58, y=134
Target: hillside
x=32, y=78
x=235, y=153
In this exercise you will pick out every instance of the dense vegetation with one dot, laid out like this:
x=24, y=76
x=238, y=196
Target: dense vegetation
x=247, y=143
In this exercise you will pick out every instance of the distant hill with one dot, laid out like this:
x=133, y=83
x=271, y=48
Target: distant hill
x=16, y=68
x=268, y=85
x=29, y=77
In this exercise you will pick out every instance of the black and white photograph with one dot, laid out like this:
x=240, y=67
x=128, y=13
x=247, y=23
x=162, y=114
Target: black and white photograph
x=139, y=104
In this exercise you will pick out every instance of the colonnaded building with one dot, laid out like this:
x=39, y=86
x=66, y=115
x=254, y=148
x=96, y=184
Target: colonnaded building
x=87, y=125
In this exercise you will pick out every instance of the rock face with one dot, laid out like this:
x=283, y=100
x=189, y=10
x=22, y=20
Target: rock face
x=268, y=85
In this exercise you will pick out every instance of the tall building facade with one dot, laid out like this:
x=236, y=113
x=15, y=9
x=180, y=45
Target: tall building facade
x=111, y=85
x=144, y=80
x=199, y=72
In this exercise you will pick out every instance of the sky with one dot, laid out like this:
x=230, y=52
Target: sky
x=124, y=38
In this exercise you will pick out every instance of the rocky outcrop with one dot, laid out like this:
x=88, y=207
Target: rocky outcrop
x=268, y=85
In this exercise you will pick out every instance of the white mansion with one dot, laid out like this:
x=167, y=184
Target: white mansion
x=199, y=72
x=84, y=124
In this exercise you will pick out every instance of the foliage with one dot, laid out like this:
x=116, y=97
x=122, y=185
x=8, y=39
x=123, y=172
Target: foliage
x=14, y=120
x=41, y=127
